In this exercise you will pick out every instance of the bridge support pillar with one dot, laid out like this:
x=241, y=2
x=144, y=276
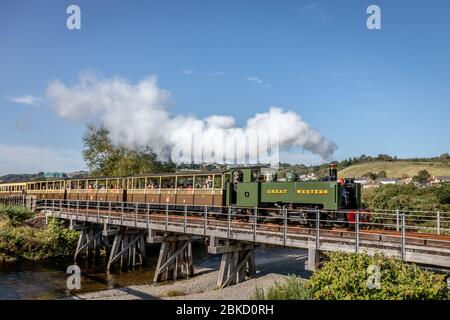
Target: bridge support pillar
x=314, y=257
x=90, y=240
x=128, y=247
x=30, y=202
x=238, y=261
x=175, y=258
x=153, y=236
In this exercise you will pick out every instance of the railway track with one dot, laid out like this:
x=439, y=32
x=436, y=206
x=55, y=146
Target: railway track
x=198, y=220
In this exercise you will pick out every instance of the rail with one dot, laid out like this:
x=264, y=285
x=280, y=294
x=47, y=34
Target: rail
x=409, y=236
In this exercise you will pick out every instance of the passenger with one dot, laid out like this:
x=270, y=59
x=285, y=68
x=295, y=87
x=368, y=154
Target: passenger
x=209, y=182
x=236, y=179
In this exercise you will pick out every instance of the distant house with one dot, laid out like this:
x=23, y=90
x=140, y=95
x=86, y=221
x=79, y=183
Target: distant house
x=309, y=176
x=389, y=181
x=408, y=180
x=364, y=181
x=440, y=179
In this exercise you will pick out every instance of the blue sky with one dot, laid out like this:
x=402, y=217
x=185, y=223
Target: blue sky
x=369, y=91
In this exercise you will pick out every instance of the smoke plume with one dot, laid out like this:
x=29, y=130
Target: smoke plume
x=136, y=115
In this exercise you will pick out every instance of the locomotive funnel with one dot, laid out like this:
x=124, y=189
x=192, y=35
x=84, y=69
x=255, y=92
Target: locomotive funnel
x=332, y=172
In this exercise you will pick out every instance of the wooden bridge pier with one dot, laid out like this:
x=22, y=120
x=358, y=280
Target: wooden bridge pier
x=238, y=261
x=128, y=247
x=91, y=239
x=175, y=258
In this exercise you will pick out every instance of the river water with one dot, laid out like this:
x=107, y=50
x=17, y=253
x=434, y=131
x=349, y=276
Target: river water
x=47, y=279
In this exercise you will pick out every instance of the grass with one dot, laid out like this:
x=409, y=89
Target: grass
x=396, y=169
x=15, y=214
x=293, y=288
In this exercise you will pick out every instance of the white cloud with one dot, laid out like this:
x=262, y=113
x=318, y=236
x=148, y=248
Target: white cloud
x=258, y=80
x=310, y=7
x=217, y=74
x=31, y=159
x=136, y=115
x=26, y=99
x=188, y=72
x=255, y=79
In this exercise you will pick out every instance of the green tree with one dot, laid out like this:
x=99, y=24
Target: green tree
x=370, y=175
x=443, y=194
x=382, y=174
x=102, y=157
x=422, y=176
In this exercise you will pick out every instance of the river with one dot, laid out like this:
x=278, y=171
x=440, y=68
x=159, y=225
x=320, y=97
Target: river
x=47, y=279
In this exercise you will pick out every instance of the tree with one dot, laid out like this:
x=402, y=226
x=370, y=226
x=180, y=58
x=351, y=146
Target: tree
x=382, y=174
x=384, y=157
x=102, y=157
x=370, y=175
x=443, y=194
x=422, y=176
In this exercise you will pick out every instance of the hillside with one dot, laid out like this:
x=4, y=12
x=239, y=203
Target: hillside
x=396, y=169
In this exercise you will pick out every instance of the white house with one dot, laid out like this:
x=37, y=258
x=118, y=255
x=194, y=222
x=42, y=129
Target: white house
x=389, y=181
x=440, y=179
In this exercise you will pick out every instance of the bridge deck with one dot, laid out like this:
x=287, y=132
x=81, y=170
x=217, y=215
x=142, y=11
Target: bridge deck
x=422, y=248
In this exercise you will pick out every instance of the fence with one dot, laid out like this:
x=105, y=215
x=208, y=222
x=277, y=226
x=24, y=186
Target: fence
x=15, y=200
x=411, y=236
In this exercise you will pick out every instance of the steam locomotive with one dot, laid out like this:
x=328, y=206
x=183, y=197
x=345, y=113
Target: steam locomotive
x=239, y=188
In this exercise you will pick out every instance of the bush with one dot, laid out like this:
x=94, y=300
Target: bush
x=15, y=215
x=345, y=277
x=24, y=242
x=408, y=198
x=293, y=288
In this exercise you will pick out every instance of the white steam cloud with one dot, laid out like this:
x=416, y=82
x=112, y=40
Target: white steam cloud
x=136, y=115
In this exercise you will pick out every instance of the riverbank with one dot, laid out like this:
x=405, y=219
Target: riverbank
x=273, y=264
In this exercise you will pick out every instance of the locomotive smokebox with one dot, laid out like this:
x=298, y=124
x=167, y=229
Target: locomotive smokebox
x=333, y=172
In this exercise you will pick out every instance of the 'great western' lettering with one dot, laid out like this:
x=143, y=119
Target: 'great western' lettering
x=312, y=191
x=277, y=191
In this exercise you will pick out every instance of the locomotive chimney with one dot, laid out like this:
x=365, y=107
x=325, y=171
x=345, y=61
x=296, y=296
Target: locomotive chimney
x=333, y=172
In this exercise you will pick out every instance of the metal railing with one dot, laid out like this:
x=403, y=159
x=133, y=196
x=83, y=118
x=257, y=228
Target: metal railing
x=12, y=200
x=397, y=230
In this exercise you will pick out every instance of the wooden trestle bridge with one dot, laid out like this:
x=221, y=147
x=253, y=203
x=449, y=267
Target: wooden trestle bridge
x=124, y=229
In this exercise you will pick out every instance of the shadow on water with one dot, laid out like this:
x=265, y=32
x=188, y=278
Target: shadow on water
x=47, y=279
